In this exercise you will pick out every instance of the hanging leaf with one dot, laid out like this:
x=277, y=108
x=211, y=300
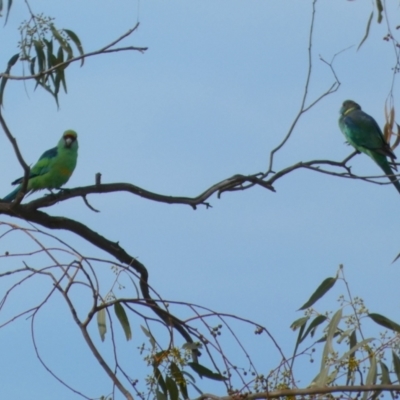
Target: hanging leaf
x=8, y=9
x=313, y=326
x=344, y=335
x=323, y=339
x=302, y=322
x=367, y=30
x=332, y=329
x=160, y=380
x=40, y=56
x=10, y=64
x=379, y=6
x=176, y=373
x=149, y=335
x=160, y=395
x=77, y=42
x=49, y=51
x=299, y=323
x=385, y=375
x=324, y=287
x=192, y=380
x=123, y=319
x=396, y=365
x=353, y=339
x=203, y=371
x=172, y=389
x=101, y=323
x=63, y=43
x=353, y=349
x=322, y=377
x=352, y=344
x=385, y=322
x=371, y=376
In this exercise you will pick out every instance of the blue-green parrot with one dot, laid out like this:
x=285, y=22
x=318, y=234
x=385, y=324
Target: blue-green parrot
x=53, y=168
x=364, y=134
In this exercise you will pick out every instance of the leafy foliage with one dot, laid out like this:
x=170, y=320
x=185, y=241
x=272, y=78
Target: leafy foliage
x=48, y=51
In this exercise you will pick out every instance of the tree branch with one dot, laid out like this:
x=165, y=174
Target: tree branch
x=112, y=248
x=304, y=392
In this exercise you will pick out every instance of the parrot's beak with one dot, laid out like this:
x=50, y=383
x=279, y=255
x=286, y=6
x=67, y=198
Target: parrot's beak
x=68, y=141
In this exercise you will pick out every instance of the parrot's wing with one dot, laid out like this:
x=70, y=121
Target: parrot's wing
x=42, y=166
x=364, y=130
x=49, y=154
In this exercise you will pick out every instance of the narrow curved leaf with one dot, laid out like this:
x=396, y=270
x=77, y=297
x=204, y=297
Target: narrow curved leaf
x=10, y=64
x=160, y=395
x=101, y=323
x=354, y=349
x=379, y=6
x=344, y=335
x=160, y=380
x=123, y=319
x=323, y=339
x=72, y=35
x=302, y=322
x=385, y=322
x=49, y=51
x=332, y=329
x=332, y=376
x=8, y=9
x=299, y=323
x=371, y=376
x=191, y=377
x=203, y=371
x=63, y=43
x=149, y=335
x=41, y=57
x=12, y=61
x=321, y=378
x=353, y=339
x=176, y=373
x=367, y=31
x=313, y=326
x=396, y=365
x=324, y=287
x=352, y=344
x=385, y=375
x=172, y=389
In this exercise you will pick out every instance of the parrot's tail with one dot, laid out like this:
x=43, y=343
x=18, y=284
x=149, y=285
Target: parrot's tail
x=11, y=196
x=384, y=164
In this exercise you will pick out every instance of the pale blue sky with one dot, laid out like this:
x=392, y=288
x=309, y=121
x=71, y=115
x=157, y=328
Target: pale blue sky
x=218, y=88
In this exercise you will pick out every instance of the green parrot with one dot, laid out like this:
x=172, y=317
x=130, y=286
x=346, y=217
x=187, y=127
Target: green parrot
x=53, y=168
x=364, y=134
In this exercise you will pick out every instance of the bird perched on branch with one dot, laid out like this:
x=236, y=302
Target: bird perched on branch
x=53, y=168
x=364, y=134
